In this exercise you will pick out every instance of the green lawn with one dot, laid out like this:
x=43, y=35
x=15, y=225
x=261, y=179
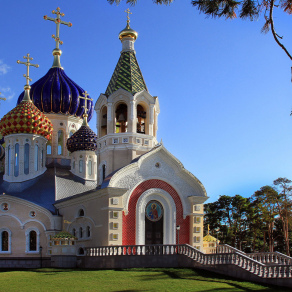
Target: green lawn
x=123, y=280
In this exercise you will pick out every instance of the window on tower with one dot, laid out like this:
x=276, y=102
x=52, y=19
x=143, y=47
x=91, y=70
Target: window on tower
x=103, y=122
x=141, y=119
x=60, y=142
x=16, y=160
x=121, y=118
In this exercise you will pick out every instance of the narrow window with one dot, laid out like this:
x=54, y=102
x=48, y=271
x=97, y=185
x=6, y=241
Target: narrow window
x=49, y=148
x=74, y=232
x=103, y=172
x=81, y=213
x=16, y=160
x=9, y=160
x=32, y=241
x=42, y=158
x=36, y=157
x=121, y=118
x=73, y=164
x=89, y=167
x=103, y=121
x=60, y=142
x=88, y=231
x=80, y=232
x=141, y=116
x=4, y=241
x=26, y=158
x=81, y=251
x=80, y=166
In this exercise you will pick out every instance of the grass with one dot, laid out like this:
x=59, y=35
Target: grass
x=124, y=280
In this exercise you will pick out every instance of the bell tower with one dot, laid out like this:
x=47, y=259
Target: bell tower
x=127, y=114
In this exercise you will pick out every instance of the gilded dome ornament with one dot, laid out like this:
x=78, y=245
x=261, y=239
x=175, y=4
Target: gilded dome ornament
x=128, y=32
x=26, y=118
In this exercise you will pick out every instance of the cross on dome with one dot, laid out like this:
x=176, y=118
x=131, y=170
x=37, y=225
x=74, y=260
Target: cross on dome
x=128, y=17
x=86, y=98
x=58, y=21
x=27, y=64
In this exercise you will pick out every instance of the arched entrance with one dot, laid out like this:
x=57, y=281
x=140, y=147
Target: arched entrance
x=154, y=223
x=163, y=230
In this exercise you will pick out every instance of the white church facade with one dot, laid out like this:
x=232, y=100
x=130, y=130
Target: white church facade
x=117, y=186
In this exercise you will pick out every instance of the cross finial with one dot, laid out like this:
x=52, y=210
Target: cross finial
x=58, y=21
x=128, y=16
x=27, y=64
x=86, y=98
x=2, y=98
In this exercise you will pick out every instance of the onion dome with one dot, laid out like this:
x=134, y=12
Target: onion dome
x=128, y=32
x=26, y=118
x=2, y=152
x=57, y=93
x=83, y=139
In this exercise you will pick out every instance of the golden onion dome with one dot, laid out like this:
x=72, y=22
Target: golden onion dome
x=128, y=32
x=210, y=238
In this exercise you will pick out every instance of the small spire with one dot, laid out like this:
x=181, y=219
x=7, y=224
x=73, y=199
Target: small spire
x=57, y=52
x=27, y=86
x=85, y=115
x=2, y=97
x=128, y=17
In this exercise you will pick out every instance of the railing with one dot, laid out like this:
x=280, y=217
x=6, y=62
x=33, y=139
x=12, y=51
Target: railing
x=271, y=258
x=225, y=248
x=233, y=258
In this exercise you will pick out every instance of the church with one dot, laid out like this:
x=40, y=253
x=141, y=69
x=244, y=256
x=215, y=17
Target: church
x=113, y=186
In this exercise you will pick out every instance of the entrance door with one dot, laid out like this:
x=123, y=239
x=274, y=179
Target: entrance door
x=154, y=223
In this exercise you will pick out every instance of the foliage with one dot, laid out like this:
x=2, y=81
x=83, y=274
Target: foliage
x=245, y=9
x=150, y=279
x=259, y=223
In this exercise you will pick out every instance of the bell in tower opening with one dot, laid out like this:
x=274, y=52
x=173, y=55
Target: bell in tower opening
x=121, y=118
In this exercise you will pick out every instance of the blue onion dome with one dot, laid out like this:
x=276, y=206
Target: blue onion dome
x=83, y=139
x=2, y=152
x=57, y=93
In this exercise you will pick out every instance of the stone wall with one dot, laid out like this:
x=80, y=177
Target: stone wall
x=25, y=263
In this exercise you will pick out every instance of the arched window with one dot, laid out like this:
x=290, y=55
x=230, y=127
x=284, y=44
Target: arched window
x=74, y=232
x=88, y=231
x=81, y=251
x=49, y=148
x=80, y=232
x=89, y=167
x=16, y=160
x=4, y=241
x=121, y=118
x=60, y=142
x=80, y=166
x=81, y=213
x=73, y=164
x=9, y=160
x=103, y=121
x=36, y=158
x=32, y=241
x=141, y=117
x=26, y=158
x=103, y=172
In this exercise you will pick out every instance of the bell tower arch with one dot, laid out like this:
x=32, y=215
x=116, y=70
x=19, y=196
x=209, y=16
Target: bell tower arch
x=127, y=114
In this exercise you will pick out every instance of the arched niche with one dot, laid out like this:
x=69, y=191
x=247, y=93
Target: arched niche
x=141, y=119
x=103, y=121
x=121, y=118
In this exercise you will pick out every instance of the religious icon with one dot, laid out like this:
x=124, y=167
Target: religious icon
x=154, y=211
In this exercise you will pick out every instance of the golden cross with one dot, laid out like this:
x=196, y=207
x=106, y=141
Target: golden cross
x=128, y=17
x=85, y=97
x=58, y=21
x=2, y=98
x=27, y=64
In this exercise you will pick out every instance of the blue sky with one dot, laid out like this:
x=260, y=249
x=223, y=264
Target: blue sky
x=224, y=88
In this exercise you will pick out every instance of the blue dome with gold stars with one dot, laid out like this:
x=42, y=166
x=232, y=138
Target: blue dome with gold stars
x=57, y=93
x=83, y=139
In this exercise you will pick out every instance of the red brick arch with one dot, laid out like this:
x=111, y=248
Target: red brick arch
x=129, y=221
